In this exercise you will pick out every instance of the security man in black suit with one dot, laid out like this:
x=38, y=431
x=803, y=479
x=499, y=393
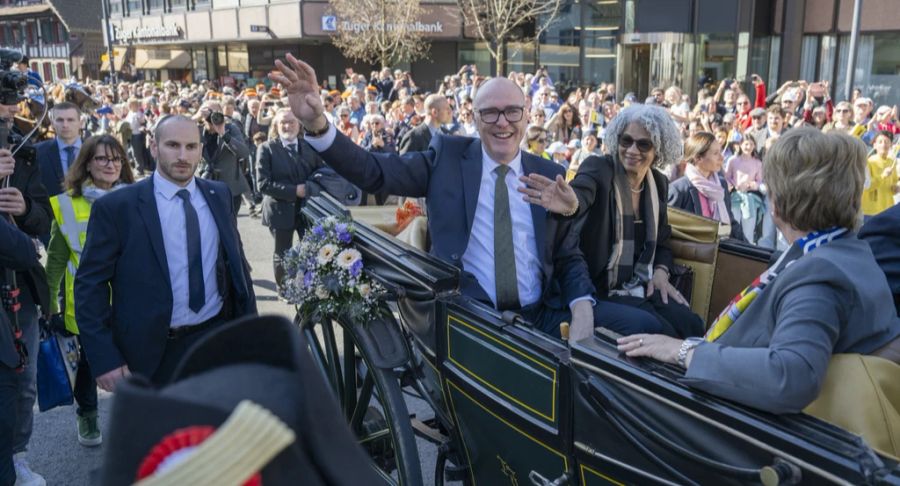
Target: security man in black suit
x=437, y=113
x=284, y=165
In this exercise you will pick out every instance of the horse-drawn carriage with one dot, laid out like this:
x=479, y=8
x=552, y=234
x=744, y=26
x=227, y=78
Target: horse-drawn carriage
x=512, y=405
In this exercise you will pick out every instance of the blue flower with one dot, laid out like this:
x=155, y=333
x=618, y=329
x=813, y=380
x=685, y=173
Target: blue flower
x=343, y=233
x=319, y=231
x=356, y=268
x=308, y=278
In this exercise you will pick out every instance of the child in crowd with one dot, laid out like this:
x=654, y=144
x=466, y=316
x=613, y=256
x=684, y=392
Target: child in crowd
x=744, y=173
x=879, y=193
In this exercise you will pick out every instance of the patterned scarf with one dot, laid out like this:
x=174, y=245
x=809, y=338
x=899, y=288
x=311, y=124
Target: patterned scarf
x=742, y=301
x=624, y=276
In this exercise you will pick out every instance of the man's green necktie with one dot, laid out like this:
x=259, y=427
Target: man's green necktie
x=504, y=254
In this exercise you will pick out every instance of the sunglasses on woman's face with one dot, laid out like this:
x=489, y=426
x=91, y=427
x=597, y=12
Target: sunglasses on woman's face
x=644, y=145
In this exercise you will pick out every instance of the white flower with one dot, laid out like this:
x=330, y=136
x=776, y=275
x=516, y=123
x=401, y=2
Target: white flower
x=347, y=258
x=321, y=292
x=326, y=254
x=364, y=289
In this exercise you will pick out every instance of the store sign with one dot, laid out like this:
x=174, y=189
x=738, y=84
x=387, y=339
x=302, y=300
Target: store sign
x=330, y=23
x=436, y=22
x=147, y=33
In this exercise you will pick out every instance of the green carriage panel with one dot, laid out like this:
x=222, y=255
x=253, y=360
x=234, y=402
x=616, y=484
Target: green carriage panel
x=498, y=452
x=528, y=382
x=592, y=477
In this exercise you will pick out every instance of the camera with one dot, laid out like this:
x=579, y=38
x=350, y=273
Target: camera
x=215, y=118
x=12, y=82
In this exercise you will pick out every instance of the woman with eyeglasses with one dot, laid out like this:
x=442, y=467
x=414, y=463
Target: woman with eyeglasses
x=620, y=201
x=100, y=168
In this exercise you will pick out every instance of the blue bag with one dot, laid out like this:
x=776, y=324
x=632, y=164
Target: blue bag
x=55, y=371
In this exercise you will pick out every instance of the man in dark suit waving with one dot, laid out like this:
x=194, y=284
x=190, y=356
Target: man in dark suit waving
x=513, y=255
x=163, y=262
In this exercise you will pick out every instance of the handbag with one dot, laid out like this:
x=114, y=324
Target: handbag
x=682, y=279
x=57, y=365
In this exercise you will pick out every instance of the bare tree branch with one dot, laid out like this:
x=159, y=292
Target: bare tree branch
x=498, y=22
x=383, y=31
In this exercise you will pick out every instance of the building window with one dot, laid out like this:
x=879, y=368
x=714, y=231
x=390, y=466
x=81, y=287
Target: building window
x=155, y=5
x=177, y=4
x=808, y=52
x=115, y=7
x=134, y=7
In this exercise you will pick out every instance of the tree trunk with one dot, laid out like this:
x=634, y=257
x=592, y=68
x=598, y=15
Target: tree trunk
x=501, y=58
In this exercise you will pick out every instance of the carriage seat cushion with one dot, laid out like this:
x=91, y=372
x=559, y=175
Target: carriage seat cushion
x=862, y=394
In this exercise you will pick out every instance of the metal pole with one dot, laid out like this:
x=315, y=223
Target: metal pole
x=107, y=31
x=854, y=40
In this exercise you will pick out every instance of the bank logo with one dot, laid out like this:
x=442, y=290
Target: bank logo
x=329, y=23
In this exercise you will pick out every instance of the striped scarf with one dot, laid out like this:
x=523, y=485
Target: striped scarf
x=624, y=275
x=742, y=301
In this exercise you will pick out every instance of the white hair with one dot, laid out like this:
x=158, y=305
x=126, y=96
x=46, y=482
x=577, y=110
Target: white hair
x=664, y=134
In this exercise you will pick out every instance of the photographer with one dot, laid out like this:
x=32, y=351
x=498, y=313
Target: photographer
x=223, y=150
x=17, y=252
x=26, y=201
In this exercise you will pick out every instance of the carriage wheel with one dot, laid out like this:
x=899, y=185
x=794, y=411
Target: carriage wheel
x=371, y=400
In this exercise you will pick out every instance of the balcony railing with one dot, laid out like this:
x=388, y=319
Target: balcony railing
x=52, y=51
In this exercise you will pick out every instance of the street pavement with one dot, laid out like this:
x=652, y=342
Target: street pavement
x=54, y=451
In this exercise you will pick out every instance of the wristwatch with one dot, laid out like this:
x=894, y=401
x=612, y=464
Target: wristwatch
x=317, y=133
x=687, y=345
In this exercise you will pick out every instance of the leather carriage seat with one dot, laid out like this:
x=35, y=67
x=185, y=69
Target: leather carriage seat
x=695, y=243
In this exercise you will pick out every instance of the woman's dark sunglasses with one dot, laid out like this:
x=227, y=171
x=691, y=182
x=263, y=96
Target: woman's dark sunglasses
x=643, y=145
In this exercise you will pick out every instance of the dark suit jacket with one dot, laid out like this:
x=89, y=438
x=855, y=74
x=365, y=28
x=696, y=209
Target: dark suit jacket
x=683, y=195
x=35, y=223
x=17, y=253
x=415, y=140
x=223, y=161
x=596, y=217
x=448, y=175
x=278, y=176
x=51, y=166
x=882, y=232
x=123, y=292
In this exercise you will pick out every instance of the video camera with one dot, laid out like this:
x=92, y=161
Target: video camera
x=12, y=81
x=215, y=118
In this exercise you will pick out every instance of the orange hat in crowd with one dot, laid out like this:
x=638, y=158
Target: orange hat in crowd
x=334, y=92
x=214, y=94
x=371, y=88
x=249, y=92
x=275, y=92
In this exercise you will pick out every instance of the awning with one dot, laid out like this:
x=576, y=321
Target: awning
x=162, y=59
x=119, y=55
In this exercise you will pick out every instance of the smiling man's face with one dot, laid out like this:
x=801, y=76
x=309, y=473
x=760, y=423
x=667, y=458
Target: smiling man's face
x=501, y=139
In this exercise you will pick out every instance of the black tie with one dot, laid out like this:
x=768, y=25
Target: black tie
x=504, y=254
x=292, y=149
x=195, y=260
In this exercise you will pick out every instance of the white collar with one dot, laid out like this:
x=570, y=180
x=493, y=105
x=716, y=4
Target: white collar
x=168, y=189
x=488, y=164
x=287, y=142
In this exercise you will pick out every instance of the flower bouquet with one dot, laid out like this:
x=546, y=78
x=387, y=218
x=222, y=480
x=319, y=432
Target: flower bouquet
x=325, y=278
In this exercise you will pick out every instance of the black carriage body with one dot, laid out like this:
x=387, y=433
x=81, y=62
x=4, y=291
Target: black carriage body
x=521, y=406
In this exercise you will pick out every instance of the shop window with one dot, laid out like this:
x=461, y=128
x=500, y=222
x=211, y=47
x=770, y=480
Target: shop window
x=808, y=52
x=134, y=7
x=115, y=8
x=717, y=56
x=827, y=59
x=238, y=62
x=177, y=4
x=225, y=3
x=155, y=6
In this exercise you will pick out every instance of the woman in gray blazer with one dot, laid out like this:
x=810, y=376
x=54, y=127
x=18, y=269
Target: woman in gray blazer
x=771, y=347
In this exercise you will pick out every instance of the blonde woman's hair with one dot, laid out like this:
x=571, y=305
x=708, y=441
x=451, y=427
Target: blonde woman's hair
x=816, y=179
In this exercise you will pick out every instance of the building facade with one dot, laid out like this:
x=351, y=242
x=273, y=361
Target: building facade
x=638, y=44
x=61, y=38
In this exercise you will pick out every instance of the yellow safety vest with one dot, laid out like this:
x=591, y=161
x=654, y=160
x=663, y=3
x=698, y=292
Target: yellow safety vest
x=71, y=216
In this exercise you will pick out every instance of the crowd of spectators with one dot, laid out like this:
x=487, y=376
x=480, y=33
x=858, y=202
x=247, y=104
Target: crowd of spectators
x=389, y=112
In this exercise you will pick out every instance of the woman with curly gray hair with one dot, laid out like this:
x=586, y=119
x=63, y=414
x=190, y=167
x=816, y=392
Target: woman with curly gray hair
x=620, y=200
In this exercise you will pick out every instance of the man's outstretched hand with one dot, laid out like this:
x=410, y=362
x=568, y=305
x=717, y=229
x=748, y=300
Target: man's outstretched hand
x=299, y=82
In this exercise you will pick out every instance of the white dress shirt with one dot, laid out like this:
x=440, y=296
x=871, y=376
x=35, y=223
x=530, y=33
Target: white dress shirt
x=478, y=258
x=171, y=219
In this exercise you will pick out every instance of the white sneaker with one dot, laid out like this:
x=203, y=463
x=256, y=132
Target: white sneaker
x=24, y=475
